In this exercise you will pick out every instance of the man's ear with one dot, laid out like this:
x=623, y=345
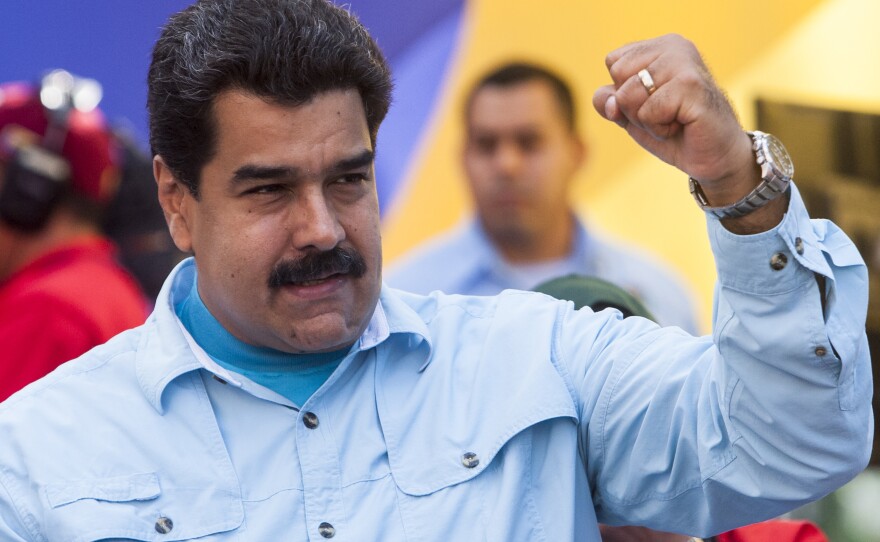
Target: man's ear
x=176, y=200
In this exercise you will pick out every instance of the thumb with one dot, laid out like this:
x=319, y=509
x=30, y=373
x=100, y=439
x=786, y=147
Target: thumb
x=605, y=104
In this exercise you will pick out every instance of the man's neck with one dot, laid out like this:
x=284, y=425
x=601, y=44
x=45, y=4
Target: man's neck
x=552, y=243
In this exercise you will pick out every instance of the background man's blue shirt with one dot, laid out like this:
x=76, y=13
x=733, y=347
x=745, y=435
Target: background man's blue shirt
x=463, y=261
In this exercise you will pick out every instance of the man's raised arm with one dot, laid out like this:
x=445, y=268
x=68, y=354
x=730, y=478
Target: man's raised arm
x=775, y=411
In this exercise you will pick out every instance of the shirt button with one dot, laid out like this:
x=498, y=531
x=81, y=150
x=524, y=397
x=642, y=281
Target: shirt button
x=778, y=261
x=326, y=530
x=821, y=351
x=310, y=420
x=799, y=245
x=470, y=460
x=218, y=379
x=164, y=525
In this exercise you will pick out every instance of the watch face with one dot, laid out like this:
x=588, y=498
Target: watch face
x=778, y=156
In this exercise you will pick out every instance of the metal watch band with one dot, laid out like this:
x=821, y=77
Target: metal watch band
x=774, y=181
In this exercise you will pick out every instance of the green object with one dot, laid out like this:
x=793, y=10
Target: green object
x=595, y=293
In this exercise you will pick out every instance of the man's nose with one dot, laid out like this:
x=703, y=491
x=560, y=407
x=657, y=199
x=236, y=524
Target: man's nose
x=508, y=159
x=315, y=222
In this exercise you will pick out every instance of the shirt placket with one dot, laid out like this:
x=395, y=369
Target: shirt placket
x=321, y=475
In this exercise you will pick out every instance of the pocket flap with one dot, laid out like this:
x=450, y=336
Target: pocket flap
x=135, y=487
x=445, y=421
x=136, y=507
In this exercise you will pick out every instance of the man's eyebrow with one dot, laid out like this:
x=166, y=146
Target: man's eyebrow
x=253, y=172
x=365, y=158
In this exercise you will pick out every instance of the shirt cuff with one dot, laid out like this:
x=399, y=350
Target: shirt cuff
x=771, y=262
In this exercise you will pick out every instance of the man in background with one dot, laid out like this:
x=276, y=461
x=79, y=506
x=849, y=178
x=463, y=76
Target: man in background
x=61, y=289
x=522, y=151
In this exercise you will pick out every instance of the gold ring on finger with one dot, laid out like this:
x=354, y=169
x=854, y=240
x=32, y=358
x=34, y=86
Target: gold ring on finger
x=647, y=81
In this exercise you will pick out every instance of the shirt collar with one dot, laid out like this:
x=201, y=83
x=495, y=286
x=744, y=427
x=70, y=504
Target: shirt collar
x=167, y=350
x=164, y=352
x=481, y=252
x=585, y=247
x=399, y=314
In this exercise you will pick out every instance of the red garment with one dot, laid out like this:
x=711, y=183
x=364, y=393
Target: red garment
x=775, y=531
x=61, y=305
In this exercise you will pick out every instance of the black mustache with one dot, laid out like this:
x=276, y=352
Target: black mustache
x=318, y=265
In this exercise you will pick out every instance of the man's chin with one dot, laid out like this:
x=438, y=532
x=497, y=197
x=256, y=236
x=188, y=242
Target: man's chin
x=326, y=332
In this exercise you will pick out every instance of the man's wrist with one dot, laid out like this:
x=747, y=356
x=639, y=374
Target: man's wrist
x=756, y=186
x=737, y=182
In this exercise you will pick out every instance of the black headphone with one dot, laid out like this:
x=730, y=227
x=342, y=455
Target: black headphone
x=37, y=175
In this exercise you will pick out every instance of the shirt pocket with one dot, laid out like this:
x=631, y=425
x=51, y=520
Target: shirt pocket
x=491, y=495
x=137, y=507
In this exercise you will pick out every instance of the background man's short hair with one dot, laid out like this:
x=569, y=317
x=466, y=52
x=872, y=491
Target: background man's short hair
x=516, y=73
x=286, y=51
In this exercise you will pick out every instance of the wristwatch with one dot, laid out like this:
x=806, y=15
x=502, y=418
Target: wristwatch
x=776, y=172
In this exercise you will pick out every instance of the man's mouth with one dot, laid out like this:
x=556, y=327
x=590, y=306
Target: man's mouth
x=315, y=282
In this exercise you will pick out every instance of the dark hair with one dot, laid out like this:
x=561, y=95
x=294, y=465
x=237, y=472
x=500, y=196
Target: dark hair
x=286, y=51
x=516, y=73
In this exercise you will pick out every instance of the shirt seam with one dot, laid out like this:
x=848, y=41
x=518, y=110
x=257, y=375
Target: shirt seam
x=53, y=380
x=25, y=518
x=530, y=501
x=557, y=358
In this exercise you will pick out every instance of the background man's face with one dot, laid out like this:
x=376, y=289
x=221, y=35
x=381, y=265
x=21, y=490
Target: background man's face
x=519, y=157
x=287, y=184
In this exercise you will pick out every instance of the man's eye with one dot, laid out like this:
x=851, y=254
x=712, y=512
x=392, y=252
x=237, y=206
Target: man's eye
x=352, y=178
x=485, y=145
x=265, y=189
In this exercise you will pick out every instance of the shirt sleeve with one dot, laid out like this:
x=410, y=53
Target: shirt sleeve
x=699, y=435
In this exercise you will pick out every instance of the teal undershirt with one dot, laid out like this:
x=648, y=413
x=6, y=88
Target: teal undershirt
x=295, y=376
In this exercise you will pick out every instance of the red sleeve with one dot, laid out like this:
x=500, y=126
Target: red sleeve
x=36, y=339
x=775, y=531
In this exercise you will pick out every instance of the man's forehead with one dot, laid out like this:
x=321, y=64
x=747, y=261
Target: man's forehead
x=530, y=102
x=236, y=110
x=258, y=136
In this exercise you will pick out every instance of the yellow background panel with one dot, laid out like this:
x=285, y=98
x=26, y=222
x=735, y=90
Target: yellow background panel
x=821, y=53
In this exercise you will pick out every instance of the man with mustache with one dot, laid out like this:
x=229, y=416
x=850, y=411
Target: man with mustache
x=320, y=404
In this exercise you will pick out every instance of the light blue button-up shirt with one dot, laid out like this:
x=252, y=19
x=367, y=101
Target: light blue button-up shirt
x=464, y=261
x=507, y=418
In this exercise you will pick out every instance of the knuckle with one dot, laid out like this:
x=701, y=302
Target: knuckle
x=681, y=41
x=692, y=79
x=616, y=71
x=627, y=98
x=609, y=60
